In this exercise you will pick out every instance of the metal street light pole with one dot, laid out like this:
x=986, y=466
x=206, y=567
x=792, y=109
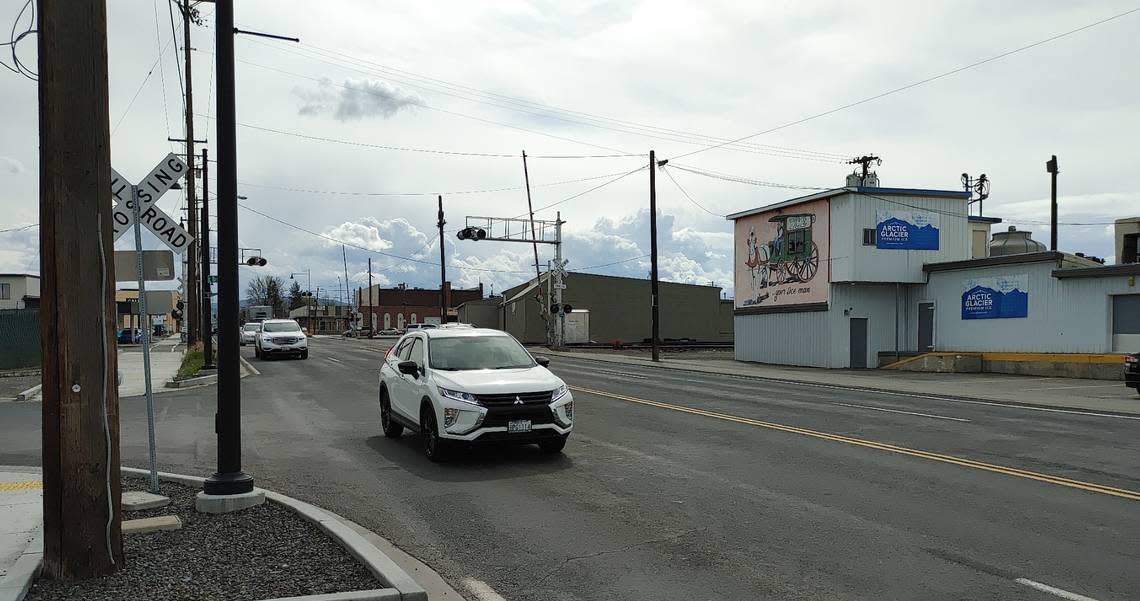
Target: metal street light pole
x=229, y=478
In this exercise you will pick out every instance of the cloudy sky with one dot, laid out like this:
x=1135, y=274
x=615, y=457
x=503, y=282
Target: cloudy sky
x=333, y=129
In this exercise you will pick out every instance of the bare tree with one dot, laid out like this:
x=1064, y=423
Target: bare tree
x=267, y=290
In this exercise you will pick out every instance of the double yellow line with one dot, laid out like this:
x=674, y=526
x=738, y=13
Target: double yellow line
x=989, y=467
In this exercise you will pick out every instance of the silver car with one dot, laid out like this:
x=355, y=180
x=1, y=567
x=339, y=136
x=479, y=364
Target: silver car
x=249, y=332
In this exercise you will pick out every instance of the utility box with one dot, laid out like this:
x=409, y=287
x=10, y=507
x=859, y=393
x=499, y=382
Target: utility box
x=578, y=326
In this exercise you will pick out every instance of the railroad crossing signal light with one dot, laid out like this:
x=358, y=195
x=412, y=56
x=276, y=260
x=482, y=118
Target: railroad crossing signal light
x=256, y=261
x=567, y=309
x=472, y=233
x=177, y=312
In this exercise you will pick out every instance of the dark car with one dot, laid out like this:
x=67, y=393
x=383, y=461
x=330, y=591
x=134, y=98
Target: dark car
x=1132, y=371
x=130, y=336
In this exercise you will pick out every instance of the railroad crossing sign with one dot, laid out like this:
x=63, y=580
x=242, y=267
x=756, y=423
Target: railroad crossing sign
x=149, y=190
x=559, y=267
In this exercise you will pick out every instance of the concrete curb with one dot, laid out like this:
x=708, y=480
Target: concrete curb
x=30, y=393
x=693, y=369
x=403, y=587
x=189, y=382
x=207, y=380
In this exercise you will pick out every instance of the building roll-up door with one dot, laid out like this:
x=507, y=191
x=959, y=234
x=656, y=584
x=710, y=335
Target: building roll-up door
x=1126, y=323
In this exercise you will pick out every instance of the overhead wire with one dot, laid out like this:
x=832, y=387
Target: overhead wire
x=161, y=71
x=687, y=195
x=537, y=109
x=665, y=133
x=915, y=84
x=14, y=40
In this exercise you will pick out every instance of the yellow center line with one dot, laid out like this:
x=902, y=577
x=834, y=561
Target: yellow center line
x=20, y=486
x=871, y=444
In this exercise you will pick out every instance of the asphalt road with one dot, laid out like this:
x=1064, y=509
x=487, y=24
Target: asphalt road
x=686, y=486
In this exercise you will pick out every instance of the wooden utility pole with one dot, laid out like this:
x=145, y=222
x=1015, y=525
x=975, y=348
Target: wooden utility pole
x=442, y=267
x=371, y=314
x=193, y=278
x=204, y=250
x=77, y=312
x=654, y=299
x=1051, y=167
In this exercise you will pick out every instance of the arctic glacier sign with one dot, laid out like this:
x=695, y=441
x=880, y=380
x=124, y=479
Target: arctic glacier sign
x=996, y=297
x=906, y=230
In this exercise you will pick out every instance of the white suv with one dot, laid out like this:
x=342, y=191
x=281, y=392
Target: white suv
x=467, y=385
x=281, y=337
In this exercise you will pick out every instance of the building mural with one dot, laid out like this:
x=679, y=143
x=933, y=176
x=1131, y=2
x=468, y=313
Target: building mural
x=782, y=257
x=906, y=230
x=997, y=297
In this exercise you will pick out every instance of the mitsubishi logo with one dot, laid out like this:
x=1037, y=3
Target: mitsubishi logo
x=518, y=400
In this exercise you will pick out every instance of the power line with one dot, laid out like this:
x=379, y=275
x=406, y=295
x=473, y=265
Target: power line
x=137, y=91
x=21, y=228
x=687, y=195
x=463, y=92
x=161, y=71
x=915, y=84
x=432, y=193
x=584, y=192
x=741, y=179
x=428, y=150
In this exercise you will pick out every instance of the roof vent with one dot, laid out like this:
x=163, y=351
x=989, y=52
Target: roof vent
x=1013, y=242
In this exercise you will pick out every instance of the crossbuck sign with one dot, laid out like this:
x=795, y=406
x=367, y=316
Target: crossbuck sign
x=150, y=189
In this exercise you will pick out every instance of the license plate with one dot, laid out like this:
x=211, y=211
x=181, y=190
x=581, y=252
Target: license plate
x=518, y=425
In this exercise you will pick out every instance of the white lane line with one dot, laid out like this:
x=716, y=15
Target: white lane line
x=332, y=359
x=618, y=373
x=913, y=395
x=480, y=589
x=957, y=419
x=1052, y=590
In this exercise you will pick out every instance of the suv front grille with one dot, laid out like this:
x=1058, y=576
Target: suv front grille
x=512, y=399
x=497, y=417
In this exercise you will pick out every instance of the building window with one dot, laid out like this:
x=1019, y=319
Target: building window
x=399, y=321
x=868, y=236
x=5, y=291
x=387, y=321
x=414, y=318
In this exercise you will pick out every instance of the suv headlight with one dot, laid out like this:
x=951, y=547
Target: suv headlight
x=558, y=393
x=458, y=395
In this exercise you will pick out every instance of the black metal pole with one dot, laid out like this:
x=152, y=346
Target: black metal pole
x=204, y=249
x=653, y=253
x=1051, y=167
x=442, y=268
x=229, y=479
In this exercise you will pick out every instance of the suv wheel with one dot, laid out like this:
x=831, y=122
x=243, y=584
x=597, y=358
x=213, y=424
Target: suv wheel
x=392, y=429
x=554, y=445
x=434, y=447
x=256, y=352
x=305, y=354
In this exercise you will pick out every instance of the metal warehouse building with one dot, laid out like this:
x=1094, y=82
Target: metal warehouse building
x=858, y=276
x=607, y=309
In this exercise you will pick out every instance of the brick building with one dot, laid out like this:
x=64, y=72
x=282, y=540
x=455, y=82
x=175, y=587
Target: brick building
x=399, y=306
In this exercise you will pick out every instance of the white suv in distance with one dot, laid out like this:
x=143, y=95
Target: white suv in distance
x=281, y=337
x=249, y=332
x=472, y=385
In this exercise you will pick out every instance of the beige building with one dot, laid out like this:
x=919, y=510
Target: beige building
x=160, y=303
x=19, y=291
x=608, y=309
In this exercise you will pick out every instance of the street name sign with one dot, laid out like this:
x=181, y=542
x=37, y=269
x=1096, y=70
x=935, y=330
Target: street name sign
x=161, y=179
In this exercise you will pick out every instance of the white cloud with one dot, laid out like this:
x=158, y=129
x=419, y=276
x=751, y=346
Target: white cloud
x=354, y=99
x=11, y=166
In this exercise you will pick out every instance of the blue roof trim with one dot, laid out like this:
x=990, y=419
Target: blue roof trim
x=914, y=192
x=980, y=219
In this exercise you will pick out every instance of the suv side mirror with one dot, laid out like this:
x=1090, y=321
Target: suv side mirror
x=409, y=368
x=543, y=361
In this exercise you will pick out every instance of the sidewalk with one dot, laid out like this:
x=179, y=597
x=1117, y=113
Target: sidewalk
x=20, y=530
x=165, y=359
x=1062, y=393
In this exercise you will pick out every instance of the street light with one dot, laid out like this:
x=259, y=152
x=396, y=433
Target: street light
x=309, y=288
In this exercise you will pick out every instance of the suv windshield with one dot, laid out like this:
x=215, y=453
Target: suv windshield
x=285, y=326
x=251, y=327
x=478, y=352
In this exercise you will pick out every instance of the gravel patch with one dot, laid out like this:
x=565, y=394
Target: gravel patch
x=13, y=385
x=262, y=552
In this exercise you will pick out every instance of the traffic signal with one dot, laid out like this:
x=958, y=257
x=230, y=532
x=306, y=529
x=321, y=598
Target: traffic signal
x=567, y=309
x=472, y=233
x=256, y=261
x=178, y=310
